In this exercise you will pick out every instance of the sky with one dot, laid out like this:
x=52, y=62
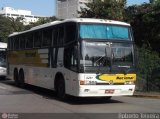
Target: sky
x=44, y=7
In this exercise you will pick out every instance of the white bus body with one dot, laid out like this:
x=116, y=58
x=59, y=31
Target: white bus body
x=72, y=68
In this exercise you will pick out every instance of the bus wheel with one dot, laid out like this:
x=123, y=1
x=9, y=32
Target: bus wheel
x=61, y=89
x=21, y=79
x=16, y=77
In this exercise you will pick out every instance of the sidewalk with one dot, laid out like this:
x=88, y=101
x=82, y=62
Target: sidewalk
x=147, y=94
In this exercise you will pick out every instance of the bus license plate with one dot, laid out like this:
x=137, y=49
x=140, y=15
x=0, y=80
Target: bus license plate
x=109, y=91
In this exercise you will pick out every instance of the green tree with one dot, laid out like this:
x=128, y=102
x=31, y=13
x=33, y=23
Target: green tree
x=148, y=61
x=145, y=22
x=41, y=21
x=17, y=24
x=5, y=28
x=8, y=26
x=105, y=9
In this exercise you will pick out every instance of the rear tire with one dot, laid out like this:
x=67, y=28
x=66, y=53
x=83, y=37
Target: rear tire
x=16, y=77
x=21, y=79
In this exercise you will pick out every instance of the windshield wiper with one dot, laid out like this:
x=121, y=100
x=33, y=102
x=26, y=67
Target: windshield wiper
x=104, y=60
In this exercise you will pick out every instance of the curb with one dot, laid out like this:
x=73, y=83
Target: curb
x=147, y=95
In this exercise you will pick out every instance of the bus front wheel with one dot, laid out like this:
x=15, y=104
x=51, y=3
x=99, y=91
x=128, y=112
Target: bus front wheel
x=61, y=93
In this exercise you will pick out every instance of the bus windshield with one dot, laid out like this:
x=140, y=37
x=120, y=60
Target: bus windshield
x=104, y=31
x=99, y=57
x=2, y=58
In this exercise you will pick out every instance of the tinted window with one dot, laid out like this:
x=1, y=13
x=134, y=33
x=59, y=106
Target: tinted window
x=9, y=43
x=70, y=32
x=29, y=40
x=16, y=43
x=55, y=36
x=70, y=58
x=47, y=37
x=37, y=39
x=61, y=35
x=22, y=42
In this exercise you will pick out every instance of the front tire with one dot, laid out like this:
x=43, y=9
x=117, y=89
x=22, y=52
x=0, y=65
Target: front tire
x=61, y=93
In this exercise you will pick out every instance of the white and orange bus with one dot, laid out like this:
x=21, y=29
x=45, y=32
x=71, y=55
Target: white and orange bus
x=78, y=57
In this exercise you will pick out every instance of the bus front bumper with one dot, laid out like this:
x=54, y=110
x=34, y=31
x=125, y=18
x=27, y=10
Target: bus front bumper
x=103, y=91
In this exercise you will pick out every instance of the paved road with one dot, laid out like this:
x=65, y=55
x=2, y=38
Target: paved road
x=37, y=100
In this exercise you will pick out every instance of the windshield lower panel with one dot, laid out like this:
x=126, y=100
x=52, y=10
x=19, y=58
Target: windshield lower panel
x=104, y=57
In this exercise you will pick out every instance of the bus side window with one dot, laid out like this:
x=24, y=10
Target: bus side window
x=9, y=43
x=61, y=35
x=70, y=30
x=55, y=36
x=47, y=38
x=29, y=40
x=12, y=43
x=37, y=39
x=16, y=43
x=22, y=42
x=70, y=58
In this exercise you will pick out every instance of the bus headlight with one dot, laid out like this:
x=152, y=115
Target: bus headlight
x=2, y=70
x=87, y=82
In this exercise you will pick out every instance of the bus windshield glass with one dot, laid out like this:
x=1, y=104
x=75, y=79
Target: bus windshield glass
x=104, y=31
x=101, y=57
x=2, y=58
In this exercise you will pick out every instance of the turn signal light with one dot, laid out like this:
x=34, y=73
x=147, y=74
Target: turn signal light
x=82, y=82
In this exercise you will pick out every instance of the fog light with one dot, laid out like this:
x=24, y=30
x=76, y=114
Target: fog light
x=86, y=90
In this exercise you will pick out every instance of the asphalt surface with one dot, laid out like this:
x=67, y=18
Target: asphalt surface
x=38, y=101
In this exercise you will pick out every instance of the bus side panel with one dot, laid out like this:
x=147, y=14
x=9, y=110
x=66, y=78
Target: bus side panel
x=71, y=82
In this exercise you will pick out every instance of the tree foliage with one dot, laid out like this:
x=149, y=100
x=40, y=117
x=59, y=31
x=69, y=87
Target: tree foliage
x=105, y=9
x=10, y=25
x=145, y=22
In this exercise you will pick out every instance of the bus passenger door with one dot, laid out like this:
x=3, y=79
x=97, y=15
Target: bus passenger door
x=71, y=68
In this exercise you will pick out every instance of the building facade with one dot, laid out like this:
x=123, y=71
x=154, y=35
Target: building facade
x=26, y=15
x=69, y=8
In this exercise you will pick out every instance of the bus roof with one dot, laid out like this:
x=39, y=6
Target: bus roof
x=78, y=20
x=3, y=45
x=91, y=20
